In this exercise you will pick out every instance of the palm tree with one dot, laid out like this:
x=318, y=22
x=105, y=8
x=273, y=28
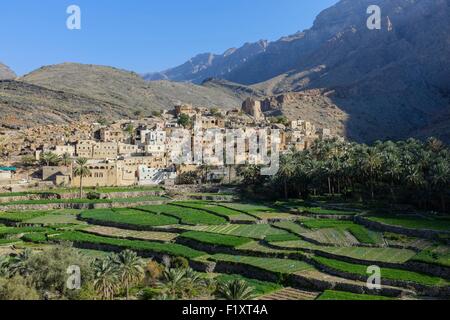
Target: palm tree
x=194, y=284
x=371, y=164
x=235, y=290
x=81, y=171
x=49, y=158
x=17, y=264
x=105, y=278
x=129, y=268
x=286, y=171
x=173, y=282
x=66, y=159
x=440, y=179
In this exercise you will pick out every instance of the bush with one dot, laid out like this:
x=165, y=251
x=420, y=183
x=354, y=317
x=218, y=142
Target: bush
x=17, y=288
x=180, y=263
x=150, y=293
x=93, y=195
x=153, y=272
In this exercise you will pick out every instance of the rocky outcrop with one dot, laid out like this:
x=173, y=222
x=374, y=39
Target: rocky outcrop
x=6, y=73
x=252, y=107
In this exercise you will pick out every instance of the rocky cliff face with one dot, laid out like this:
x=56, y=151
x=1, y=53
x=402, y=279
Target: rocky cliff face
x=6, y=73
x=208, y=65
x=392, y=83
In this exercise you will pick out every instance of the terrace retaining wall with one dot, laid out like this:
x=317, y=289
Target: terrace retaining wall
x=76, y=195
x=79, y=206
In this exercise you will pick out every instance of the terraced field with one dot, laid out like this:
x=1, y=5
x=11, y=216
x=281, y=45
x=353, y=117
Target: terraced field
x=127, y=234
x=413, y=222
x=254, y=231
x=297, y=246
x=392, y=255
x=128, y=217
x=270, y=264
x=287, y=294
x=387, y=273
x=341, y=295
x=230, y=214
x=189, y=216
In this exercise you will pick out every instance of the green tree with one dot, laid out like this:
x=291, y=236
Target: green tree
x=184, y=120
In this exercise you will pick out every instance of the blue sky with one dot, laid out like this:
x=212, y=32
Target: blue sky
x=142, y=35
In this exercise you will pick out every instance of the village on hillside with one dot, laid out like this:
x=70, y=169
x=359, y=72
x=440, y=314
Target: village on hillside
x=138, y=151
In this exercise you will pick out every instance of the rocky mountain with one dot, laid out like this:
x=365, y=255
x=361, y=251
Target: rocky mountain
x=391, y=83
x=6, y=73
x=25, y=105
x=209, y=65
x=61, y=93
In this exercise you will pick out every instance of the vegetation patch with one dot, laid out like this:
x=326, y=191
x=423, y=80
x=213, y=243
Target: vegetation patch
x=281, y=237
x=271, y=264
x=391, y=255
x=216, y=239
x=387, y=273
x=188, y=216
x=129, y=217
x=137, y=245
x=259, y=287
x=414, y=222
x=438, y=255
x=254, y=231
x=326, y=212
x=361, y=233
x=341, y=295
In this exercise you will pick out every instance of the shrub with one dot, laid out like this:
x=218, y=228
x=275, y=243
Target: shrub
x=180, y=263
x=153, y=272
x=93, y=195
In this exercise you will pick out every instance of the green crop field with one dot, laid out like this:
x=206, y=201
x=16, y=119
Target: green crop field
x=23, y=215
x=6, y=232
x=341, y=295
x=325, y=212
x=204, y=205
x=361, y=233
x=439, y=255
x=249, y=208
x=124, y=233
x=387, y=273
x=254, y=231
x=270, y=264
x=165, y=248
x=129, y=217
x=215, y=239
x=292, y=226
x=392, y=255
x=413, y=222
x=188, y=216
